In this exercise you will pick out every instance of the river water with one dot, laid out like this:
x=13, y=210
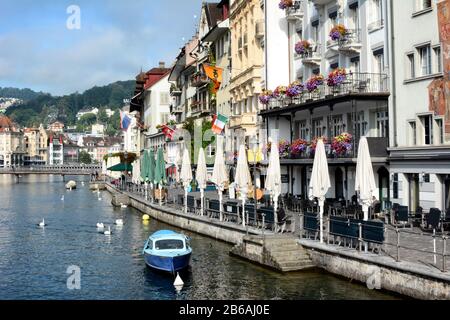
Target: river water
x=34, y=261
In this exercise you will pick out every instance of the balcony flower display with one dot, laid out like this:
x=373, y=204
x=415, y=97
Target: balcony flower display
x=338, y=32
x=342, y=144
x=280, y=92
x=302, y=47
x=295, y=89
x=284, y=4
x=336, y=77
x=283, y=148
x=298, y=147
x=314, y=82
x=265, y=97
x=313, y=144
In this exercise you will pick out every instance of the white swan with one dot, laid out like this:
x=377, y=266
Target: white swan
x=107, y=232
x=119, y=222
x=62, y=198
x=99, y=198
x=42, y=223
x=100, y=225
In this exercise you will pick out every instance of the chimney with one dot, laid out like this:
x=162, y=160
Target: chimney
x=162, y=64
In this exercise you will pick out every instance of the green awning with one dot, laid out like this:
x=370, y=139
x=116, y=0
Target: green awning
x=121, y=167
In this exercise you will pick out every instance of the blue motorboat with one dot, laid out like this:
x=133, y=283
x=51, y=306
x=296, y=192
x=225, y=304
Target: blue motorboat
x=168, y=251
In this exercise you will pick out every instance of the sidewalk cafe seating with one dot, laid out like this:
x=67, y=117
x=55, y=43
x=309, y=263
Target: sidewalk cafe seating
x=401, y=215
x=213, y=208
x=433, y=219
x=191, y=204
x=269, y=218
x=446, y=221
x=231, y=209
x=311, y=223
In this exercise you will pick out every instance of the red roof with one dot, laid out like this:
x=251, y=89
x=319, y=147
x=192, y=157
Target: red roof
x=154, y=75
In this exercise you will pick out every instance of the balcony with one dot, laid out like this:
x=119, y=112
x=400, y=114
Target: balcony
x=312, y=57
x=177, y=109
x=358, y=84
x=245, y=119
x=199, y=107
x=199, y=79
x=322, y=2
x=175, y=91
x=235, y=121
x=351, y=43
x=295, y=13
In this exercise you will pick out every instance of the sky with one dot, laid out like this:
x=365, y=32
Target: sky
x=42, y=46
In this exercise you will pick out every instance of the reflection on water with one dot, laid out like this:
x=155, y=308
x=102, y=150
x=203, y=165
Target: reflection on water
x=34, y=261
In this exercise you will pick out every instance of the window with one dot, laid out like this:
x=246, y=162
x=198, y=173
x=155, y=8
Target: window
x=318, y=129
x=425, y=60
x=413, y=133
x=355, y=65
x=361, y=125
x=169, y=244
x=164, y=98
x=354, y=16
x=334, y=65
x=316, y=71
x=303, y=128
x=382, y=124
x=423, y=5
x=338, y=125
x=427, y=123
x=440, y=130
x=333, y=18
x=395, y=186
x=378, y=56
x=315, y=31
x=438, y=59
x=411, y=66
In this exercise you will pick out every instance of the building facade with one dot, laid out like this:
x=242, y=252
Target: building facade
x=12, y=149
x=35, y=140
x=420, y=148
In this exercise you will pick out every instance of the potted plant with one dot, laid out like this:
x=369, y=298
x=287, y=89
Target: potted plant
x=303, y=47
x=295, y=89
x=283, y=148
x=338, y=32
x=298, y=147
x=336, y=77
x=284, y=4
x=342, y=145
x=312, y=85
x=280, y=92
x=265, y=97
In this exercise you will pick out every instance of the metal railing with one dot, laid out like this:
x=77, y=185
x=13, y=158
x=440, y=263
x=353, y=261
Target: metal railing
x=356, y=234
x=354, y=83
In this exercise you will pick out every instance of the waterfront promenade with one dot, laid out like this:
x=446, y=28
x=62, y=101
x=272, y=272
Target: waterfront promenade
x=415, y=274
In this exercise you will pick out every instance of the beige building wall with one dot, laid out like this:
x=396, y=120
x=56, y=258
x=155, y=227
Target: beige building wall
x=247, y=69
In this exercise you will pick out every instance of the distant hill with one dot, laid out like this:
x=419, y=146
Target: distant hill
x=45, y=108
x=22, y=94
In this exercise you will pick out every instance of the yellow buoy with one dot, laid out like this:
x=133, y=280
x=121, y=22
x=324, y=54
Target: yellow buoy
x=145, y=217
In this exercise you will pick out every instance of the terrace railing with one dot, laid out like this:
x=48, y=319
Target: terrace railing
x=355, y=83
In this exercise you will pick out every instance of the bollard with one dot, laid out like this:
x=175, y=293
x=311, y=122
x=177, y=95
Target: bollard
x=398, y=244
x=360, y=236
x=444, y=249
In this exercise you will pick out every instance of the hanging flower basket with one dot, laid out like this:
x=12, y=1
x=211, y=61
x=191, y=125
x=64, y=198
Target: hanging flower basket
x=284, y=4
x=303, y=47
x=342, y=144
x=339, y=32
x=298, y=147
x=312, y=85
x=265, y=97
x=280, y=92
x=295, y=89
x=283, y=149
x=336, y=77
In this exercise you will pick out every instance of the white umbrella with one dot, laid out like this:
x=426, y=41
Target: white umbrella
x=273, y=179
x=320, y=181
x=186, y=175
x=201, y=176
x=365, y=180
x=242, y=178
x=219, y=176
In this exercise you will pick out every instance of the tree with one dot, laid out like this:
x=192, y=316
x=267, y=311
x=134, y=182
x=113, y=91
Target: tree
x=102, y=116
x=85, y=157
x=87, y=119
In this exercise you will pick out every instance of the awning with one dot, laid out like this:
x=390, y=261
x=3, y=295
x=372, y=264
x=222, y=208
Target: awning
x=121, y=167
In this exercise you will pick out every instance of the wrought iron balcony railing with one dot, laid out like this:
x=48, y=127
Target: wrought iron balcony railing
x=295, y=12
x=199, y=79
x=354, y=83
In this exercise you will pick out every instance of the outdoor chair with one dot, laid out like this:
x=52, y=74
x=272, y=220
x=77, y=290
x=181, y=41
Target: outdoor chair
x=446, y=220
x=213, y=210
x=434, y=218
x=402, y=216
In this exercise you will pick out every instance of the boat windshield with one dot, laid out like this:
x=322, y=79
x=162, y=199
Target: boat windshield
x=169, y=244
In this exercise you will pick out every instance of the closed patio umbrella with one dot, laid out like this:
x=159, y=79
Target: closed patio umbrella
x=320, y=181
x=186, y=175
x=160, y=172
x=243, y=179
x=151, y=169
x=144, y=170
x=365, y=180
x=273, y=179
x=201, y=177
x=219, y=176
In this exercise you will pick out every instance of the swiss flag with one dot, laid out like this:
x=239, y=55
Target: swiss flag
x=168, y=132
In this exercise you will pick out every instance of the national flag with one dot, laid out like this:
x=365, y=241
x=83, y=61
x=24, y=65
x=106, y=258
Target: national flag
x=215, y=74
x=219, y=122
x=125, y=121
x=168, y=132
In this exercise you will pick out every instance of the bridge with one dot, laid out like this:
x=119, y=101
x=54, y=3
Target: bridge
x=63, y=170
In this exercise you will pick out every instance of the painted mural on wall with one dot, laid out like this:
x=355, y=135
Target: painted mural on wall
x=439, y=89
